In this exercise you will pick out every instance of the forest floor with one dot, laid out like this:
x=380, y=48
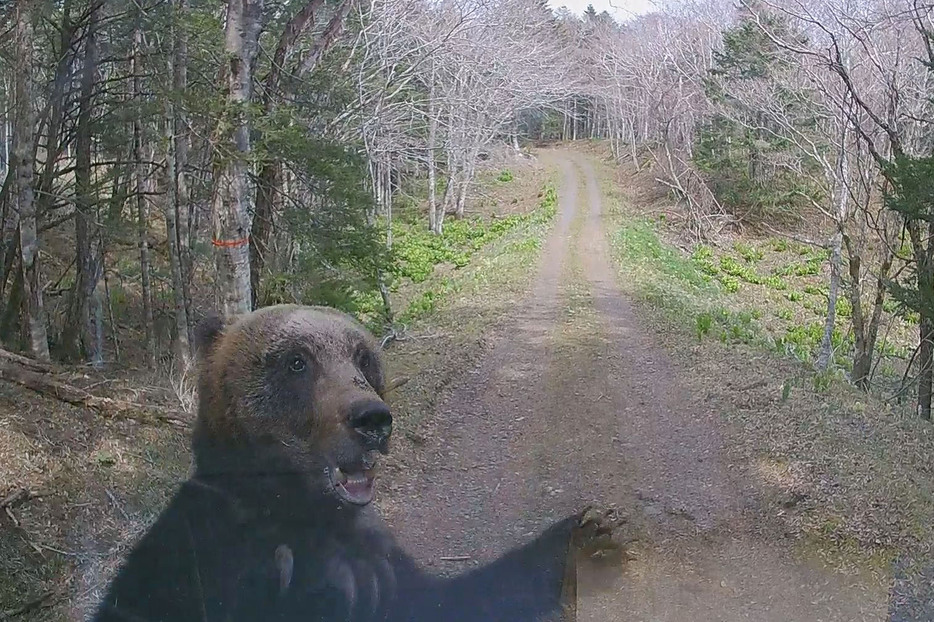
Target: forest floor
x=544, y=379
x=582, y=396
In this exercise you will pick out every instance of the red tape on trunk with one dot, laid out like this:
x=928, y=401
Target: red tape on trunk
x=230, y=243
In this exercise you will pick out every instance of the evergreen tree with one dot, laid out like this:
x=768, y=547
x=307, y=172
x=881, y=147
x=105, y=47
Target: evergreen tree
x=737, y=146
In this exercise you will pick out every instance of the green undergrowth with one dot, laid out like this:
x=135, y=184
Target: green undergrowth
x=679, y=286
x=419, y=251
x=446, y=313
x=830, y=460
x=426, y=267
x=422, y=255
x=770, y=292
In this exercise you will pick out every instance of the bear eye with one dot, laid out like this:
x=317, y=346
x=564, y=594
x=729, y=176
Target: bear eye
x=297, y=364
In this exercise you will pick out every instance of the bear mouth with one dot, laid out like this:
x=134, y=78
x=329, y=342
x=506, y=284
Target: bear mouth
x=354, y=487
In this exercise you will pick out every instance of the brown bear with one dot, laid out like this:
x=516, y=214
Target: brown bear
x=275, y=522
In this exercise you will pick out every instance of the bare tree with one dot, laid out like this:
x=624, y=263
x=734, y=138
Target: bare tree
x=233, y=199
x=173, y=206
x=864, y=54
x=83, y=332
x=182, y=147
x=141, y=195
x=23, y=150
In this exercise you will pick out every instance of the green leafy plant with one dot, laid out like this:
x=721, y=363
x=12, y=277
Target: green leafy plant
x=732, y=267
x=730, y=283
x=703, y=259
x=811, y=267
x=844, y=308
x=417, y=252
x=703, y=324
x=779, y=245
x=748, y=252
x=775, y=282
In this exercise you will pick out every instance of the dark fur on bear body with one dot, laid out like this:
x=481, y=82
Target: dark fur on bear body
x=290, y=406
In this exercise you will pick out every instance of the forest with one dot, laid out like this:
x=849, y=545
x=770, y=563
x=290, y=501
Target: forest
x=164, y=159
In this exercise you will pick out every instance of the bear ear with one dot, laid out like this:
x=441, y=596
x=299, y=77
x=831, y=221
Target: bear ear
x=207, y=334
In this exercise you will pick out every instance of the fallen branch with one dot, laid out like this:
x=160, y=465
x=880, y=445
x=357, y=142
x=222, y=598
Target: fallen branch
x=20, y=494
x=41, y=383
x=395, y=383
x=393, y=335
x=43, y=601
x=32, y=364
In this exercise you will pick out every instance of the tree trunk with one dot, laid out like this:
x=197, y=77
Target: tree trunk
x=468, y=173
x=10, y=326
x=142, y=204
x=267, y=186
x=4, y=147
x=182, y=139
x=446, y=201
x=82, y=335
x=433, y=224
x=170, y=211
x=925, y=268
x=826, y=348
x=232, y=200
x=632, y=145
x=865, y=335
x=925, y=357
x=23, y=149
x=326, y=38
x=872, y=331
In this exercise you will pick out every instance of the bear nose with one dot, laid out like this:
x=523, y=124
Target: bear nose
x=373, y=421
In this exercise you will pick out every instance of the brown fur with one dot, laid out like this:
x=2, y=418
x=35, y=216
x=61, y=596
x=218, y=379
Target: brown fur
x=260, y=532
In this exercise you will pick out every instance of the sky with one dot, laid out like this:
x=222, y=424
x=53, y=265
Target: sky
x=620, y=9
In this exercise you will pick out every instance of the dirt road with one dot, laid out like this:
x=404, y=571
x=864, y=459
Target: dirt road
x=575, y=403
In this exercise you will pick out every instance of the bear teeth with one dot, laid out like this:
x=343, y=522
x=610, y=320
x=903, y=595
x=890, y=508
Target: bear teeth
x=340, y=476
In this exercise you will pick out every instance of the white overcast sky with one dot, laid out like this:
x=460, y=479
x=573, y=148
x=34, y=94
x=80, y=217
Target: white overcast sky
x=620, y=9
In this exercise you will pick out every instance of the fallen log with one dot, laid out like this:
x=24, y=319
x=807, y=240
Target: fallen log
x=32, y=364
x=13, y=371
